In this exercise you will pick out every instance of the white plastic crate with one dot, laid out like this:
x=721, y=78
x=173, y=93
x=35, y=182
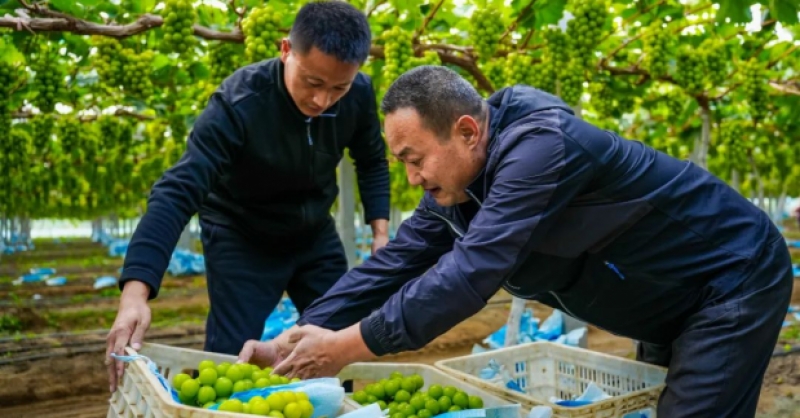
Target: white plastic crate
x=362, y=374
x=545, y=369
x=142, y=395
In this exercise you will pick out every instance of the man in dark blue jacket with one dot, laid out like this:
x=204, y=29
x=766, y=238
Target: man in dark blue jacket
x=523, y=195
x=260, y=168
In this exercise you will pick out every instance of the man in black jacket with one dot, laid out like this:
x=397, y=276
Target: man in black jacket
x=260, y=170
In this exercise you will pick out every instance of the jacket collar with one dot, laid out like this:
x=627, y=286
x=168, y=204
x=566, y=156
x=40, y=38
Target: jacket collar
x=284, y=92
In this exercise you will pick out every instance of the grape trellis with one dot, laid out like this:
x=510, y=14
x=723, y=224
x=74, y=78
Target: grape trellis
x=99, y=96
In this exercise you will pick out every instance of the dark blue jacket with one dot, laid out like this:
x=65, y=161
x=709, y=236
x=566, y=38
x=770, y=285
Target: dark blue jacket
x=256, y=164
x=604, y=228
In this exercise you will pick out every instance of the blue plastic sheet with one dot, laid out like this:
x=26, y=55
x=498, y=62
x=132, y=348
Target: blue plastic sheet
x=182, y=262
x=530, y=331
x=283, y=317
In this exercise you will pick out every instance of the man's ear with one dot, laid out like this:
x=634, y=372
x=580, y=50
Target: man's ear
x=468, y=130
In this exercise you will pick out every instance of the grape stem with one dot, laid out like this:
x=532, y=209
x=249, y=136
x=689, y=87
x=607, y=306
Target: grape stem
x=522, y=15
x=788, y=88
x=427, y=20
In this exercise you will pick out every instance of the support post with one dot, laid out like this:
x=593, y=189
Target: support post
x=347, y=210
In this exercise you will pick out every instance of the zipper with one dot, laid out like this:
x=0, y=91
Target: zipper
x=450, y=223
x=614, y=269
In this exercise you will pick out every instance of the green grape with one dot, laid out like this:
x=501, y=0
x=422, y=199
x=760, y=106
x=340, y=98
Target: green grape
x=427, y=58
x=572, y=82
x=398, y=53
x=110, y=131
x=262, y=31
x=585, y=30
x=518, y=68
x=136, y=73
x=7, y=80
x=556, y=47
x=177, y=126
x=125, y=138
x=691, y=66
x=179, y=18
x=49, y=79
x=657, y=42
x=543, y=76
x=754, y=85
x=224, y=59
x=486, y=27
x=109, y=60
x=494, y=71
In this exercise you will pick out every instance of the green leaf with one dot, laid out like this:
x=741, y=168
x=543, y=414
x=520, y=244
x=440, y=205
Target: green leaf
x=199, y=70
x=737, y=10
x=549, y=12
x=9, y=4
x=67, y=6
x=785, y=11
x=160, y=61
x=90, y=3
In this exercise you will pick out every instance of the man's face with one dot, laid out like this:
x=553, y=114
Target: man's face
x=315, y=80
x=443, y=167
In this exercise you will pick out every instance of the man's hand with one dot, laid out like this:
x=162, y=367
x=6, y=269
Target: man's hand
x=319, y=352
x=133, y=320
x=380, y=234
x=267, y=353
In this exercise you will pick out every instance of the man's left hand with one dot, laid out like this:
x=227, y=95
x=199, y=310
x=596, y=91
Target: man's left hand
x=378, y=242
x=315, y=354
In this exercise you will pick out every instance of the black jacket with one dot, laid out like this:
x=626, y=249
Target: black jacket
x=256, y=164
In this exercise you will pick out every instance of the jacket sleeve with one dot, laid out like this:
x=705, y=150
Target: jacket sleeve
x=419, y=243
x=369, y=154
x=215, y=140
x=530, y=187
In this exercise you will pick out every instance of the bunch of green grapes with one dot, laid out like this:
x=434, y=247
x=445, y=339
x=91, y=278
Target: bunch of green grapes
x=109, y=62
x=494, y=71
x=754, y=83
x=136, y=73
x=716, y=61
x=157, y=132
x=556, y=47
x=262, y=32
x=571, y=82
x=7, y=80
x=110, y=130
x=586, y=29
x=398, y=53
x=486, y=27
x=657, y=42
x=675, y=101
x=427, y=58
x=517, y=69
x=543, y=76
x=179, y=18
x=602, y=98
x=224, y=59
x=70, y=135
x=49, y=79
x=42, y=125
x=691, y=70
x=125, y=138
x=16, y=151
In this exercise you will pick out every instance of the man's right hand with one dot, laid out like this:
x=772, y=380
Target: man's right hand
x=133, y=319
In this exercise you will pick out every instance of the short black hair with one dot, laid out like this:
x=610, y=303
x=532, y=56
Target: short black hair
x=438, y=94
x=335, y=27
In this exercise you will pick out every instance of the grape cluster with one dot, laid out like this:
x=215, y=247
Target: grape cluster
x=602, y=98
x=675, y=101
x=544, y=77
x=110, y=131
x=571, y=82
x=517, y=68
x=398, y=53
x=70, y=135
x=754, y=84
x=49, y=79
x=224, y=58
x=486, y=28
x=7, y=80
x=179, y=17
x=716, y=61
x=42, y=125
x=403, y=396
x=657, y=42
x=109, y=62
x=494, y=71
x=136, y=73
x=262, y=31
x=556, y=47
x=731, y=142
x=586, y=29
x=691, y=67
